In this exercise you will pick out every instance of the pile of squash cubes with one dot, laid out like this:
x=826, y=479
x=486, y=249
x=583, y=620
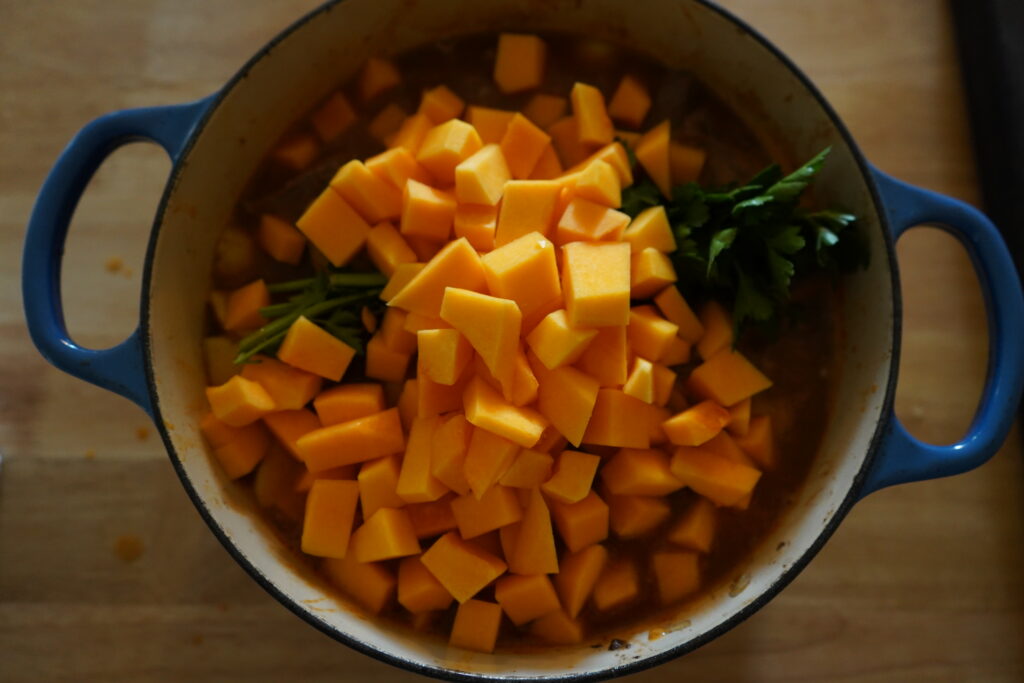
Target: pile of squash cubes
x=542, y=413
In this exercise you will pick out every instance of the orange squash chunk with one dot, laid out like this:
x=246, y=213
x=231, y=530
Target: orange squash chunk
x=426, y=212
x=639, y=472
x=556, y=343
x=522, y=145
x=633, y=516
x=630, y=103
x=696, y=424
x=386, y=123
x=443, y=355
x=385, y=363
x=728, y=378
x=418, y=590
x=415, y=483
x=498, y=507
x=525, y=598
x=599, y=183
x=551, y=441
x=411, y=133
x=685, y=162
x=375, y=199
x=677, y=574
x=481, y=178
x=404, y=273
x=615, y=155
x=396, y=166
x=289, y=388
x=579, y=573
x=664, y=383
x=524, y=382
x=534, y=551
x=378, y=483
x=489, y=123
x=387, y=534
x=297, y=153
x=739, y=418
x=725, y=482
x=491, y=325
x=544, y=109
x=387, y=248
x=476, y=626
x=280, y=239
x=366, y=438
x=657, y=433
x=305, y=481
x=525, y=270
x=565, y=139
x=566, y=397
x=308, y=347
x=372, y=585
x=349, y=402
x=558, y=628
x=432, y=519
x=519, y=64
x=440, y=104
x=448, y=453
x=595, y=283
x=274, y=484
x=675, y=309
x=477, y=223
x=696, y=527
x=242, y=307
x=377, y=77
x=488, y=456
x=333, y=117
x=330, y=509
x=240, y=401
x=548, y=165
x=445, y=146
x=650, y=272
x=581, y=524
x=618, y=585
x=588, y=108
x=290, y=425
x=588, y=221
x=456, y=265
x=530, y=469
x=618, y=420
x=573, y=476
x=724, y=445
x=334, y=227
x=461, y=567
x=717, y=324
x=640, y=383
x=238, y=449
x=652, y=151
x=605, y=358
x=527, y=206
x=650, y=230
x=650, y=335
x=759, y=442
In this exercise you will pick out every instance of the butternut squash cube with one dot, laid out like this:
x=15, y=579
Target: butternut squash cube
x=371, y=585
x=237, y=449
x=378, y=484
x=415, y=483
x=686, y=163
x=587, y=221
x=615, y=155
x=595, y=283
x=443, y=354
x=334, y=227
x=489, y=123
x=581, y=524
x=696, y=424
x=498, y=507
x=650, y=230
x=486, y=409
x=333, y=117
x=544, y=109
x=650, y=272
x=664, y=382
x=652, y=151
x=330, y=509
x=677, y=573
x=618, y=585
x=534, y=551
x=445, y=146
x=387, y=534
x=311, y=348
x=377, y=77
x=640, y=383
x=759, y=442
x=573, y=476
x=634, y=516
x=739, y=418
x=481, y=178
x=599, y=183
x=462, y=567
x=557, y=628
x=240, y=401
x=404, y=273
x=588, y=108
x=349, y=402
x=242, y=307
x=280, y=239
x=491, y=325
x=396, y=166
x=386, y=123
x=525, y=598
x=289, y=388
x=565, y=138
x=296, y=153
x=411, y=133
x=556, y=343
x=477, y=223
x=374, y=198
x=436, y=399
x=476, y=626
x=274, y=484
x=725, y=482
x=426, y=212
x=488, y=457
x=456, y=265
x=580, y=572
x=448, y=452
x=566, y=397
x=432, y=519
x=675, y=309
x=728, y=378
x=385, y=363
x=522, y=145
x=639, y=472
x=717, y=324
x=519, y=64
x=440, y=104
x=529, y=469
x=418, y=590
x=606, y=357
x=305, y=481
x=525, y=270
x=650, y=335
x=359, y=440
x=387, y=248
x=288, y=426
x=696, y=527
x=528, y=206
x=524, y=383
x=548, y=165
x=618, y=420
x=630, y=103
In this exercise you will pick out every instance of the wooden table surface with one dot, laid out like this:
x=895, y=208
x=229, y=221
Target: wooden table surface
x=107, y=572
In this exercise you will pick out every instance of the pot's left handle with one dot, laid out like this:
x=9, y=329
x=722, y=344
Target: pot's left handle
x=120, y=368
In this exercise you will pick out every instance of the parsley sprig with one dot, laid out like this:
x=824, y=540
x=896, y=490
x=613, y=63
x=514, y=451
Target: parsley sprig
x=746, y=244
x=333, y=300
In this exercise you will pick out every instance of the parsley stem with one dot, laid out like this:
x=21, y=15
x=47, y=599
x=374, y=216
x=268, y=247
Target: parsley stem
x=282, y=324
x=335, y=281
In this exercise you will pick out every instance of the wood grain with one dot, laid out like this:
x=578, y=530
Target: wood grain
x=924, y=582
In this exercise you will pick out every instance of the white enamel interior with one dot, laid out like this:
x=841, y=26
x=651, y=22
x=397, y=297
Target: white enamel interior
x=311, y=60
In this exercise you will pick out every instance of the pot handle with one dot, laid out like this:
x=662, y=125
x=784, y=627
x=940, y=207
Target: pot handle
x=901, y=457
x=121, y=368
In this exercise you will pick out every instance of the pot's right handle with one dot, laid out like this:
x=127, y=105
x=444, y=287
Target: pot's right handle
x=120, y=368
x=901, y=457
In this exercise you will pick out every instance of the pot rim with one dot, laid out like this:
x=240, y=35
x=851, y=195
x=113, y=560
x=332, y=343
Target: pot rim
x=636, y=666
